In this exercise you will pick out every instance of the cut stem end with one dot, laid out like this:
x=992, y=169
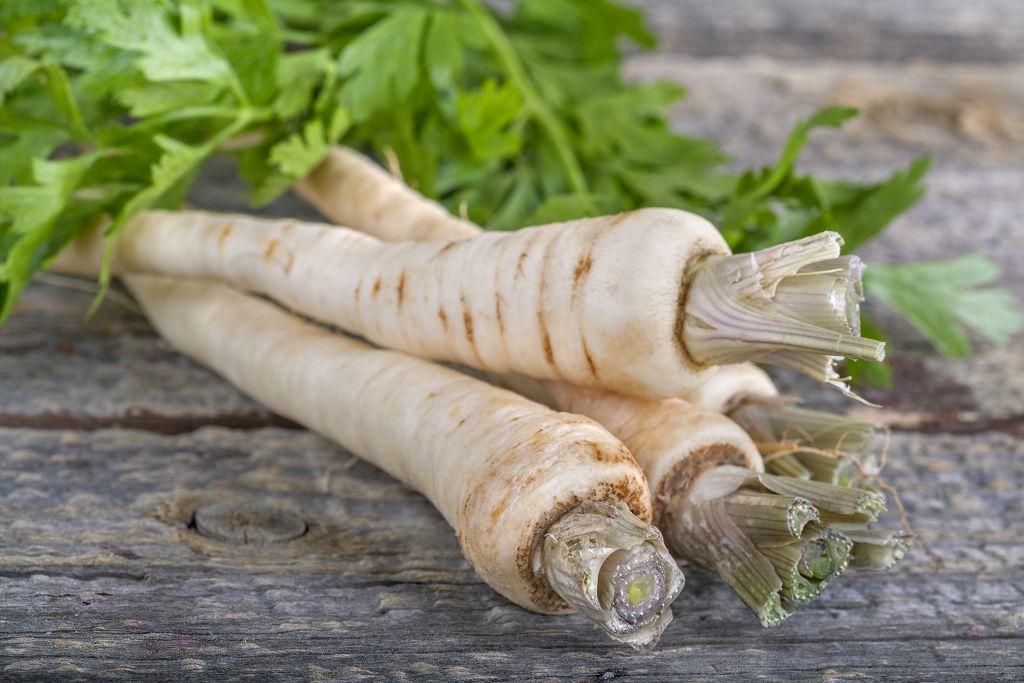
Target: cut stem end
x=615, y=569
x=777, y=541
x=796, y=305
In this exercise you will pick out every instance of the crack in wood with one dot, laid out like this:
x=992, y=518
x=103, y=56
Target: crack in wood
x=146, y=420
x=952, y=423
x=79, y=575
x=944, y=424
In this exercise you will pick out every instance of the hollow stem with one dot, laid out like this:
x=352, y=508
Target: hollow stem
x=833, y=501
x=806, y=568
x=615, y=569
x=767, y=517
x=877, y=548
x=712, y=539
x=810, y=444
x=772, y=538
x=826, y=553
x=827, y=294
x=796, y=305
x=826, y=468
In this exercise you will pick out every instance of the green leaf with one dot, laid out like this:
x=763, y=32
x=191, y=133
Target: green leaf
x=830, y=117
x=744, y=204
x=254, y=59
x=27, y=147
x=256, y=12
x=159, y=98
x=382, y=65
x=30, y=206
x=630, y=122
x=300, y=153
x=937, y=297
x=486, y=116
x=860, y=221
x=295, y=156
x=176, y=161
x=298, y=76
x=586, y=30
x=559, y=208
x=520, y=200
x=28, y=215
x=166, y=53
x=443, y=51
x=59, y=87
x=13, y=71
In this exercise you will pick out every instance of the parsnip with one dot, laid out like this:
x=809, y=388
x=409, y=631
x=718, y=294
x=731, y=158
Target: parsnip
x=549, y=508
x=354, y=191
x=637, y=303
x=725, y=386
x=679, y=445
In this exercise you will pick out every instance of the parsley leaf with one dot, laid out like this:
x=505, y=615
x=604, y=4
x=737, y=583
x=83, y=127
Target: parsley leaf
x=165, y=54
x=486, y=117
x=382, y=64
x=862, y=216
x=937, y=297
x=30, y=231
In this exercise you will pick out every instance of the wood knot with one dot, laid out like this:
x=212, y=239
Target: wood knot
x=248, y=523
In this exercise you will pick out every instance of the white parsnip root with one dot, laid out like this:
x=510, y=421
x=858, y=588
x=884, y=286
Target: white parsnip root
x=599, y=302
x=594, y=302
x=725, y=386
x=353, y=191
x=514, y=479
x=795, y=305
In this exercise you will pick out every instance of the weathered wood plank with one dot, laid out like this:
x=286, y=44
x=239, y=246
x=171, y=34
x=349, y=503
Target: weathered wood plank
x=938, y=30
x=62, y=370
x=969, y=116
x=104, y=574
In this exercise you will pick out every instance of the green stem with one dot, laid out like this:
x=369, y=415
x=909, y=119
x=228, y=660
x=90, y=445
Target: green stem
x=877, y=548
x=248, y=115
x=532, y=99
x=778, y=421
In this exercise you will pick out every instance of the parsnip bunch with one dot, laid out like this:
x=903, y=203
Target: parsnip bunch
x=678, y=443
x=643, y=303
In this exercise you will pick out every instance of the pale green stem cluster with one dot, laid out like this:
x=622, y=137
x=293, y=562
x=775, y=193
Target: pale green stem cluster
x=781, y=537
x=771, y=538
x=796, y=305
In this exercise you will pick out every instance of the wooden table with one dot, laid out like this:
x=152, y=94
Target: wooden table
x=110, y=443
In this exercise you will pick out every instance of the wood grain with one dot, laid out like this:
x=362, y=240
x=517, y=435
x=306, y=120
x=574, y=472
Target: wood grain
x=937, y=30
x=105, y=573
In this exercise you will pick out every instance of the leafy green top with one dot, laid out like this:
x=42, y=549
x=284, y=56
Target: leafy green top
x=109, y=107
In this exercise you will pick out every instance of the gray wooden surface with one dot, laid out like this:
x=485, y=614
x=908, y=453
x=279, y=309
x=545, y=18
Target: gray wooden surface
x=110, y=443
